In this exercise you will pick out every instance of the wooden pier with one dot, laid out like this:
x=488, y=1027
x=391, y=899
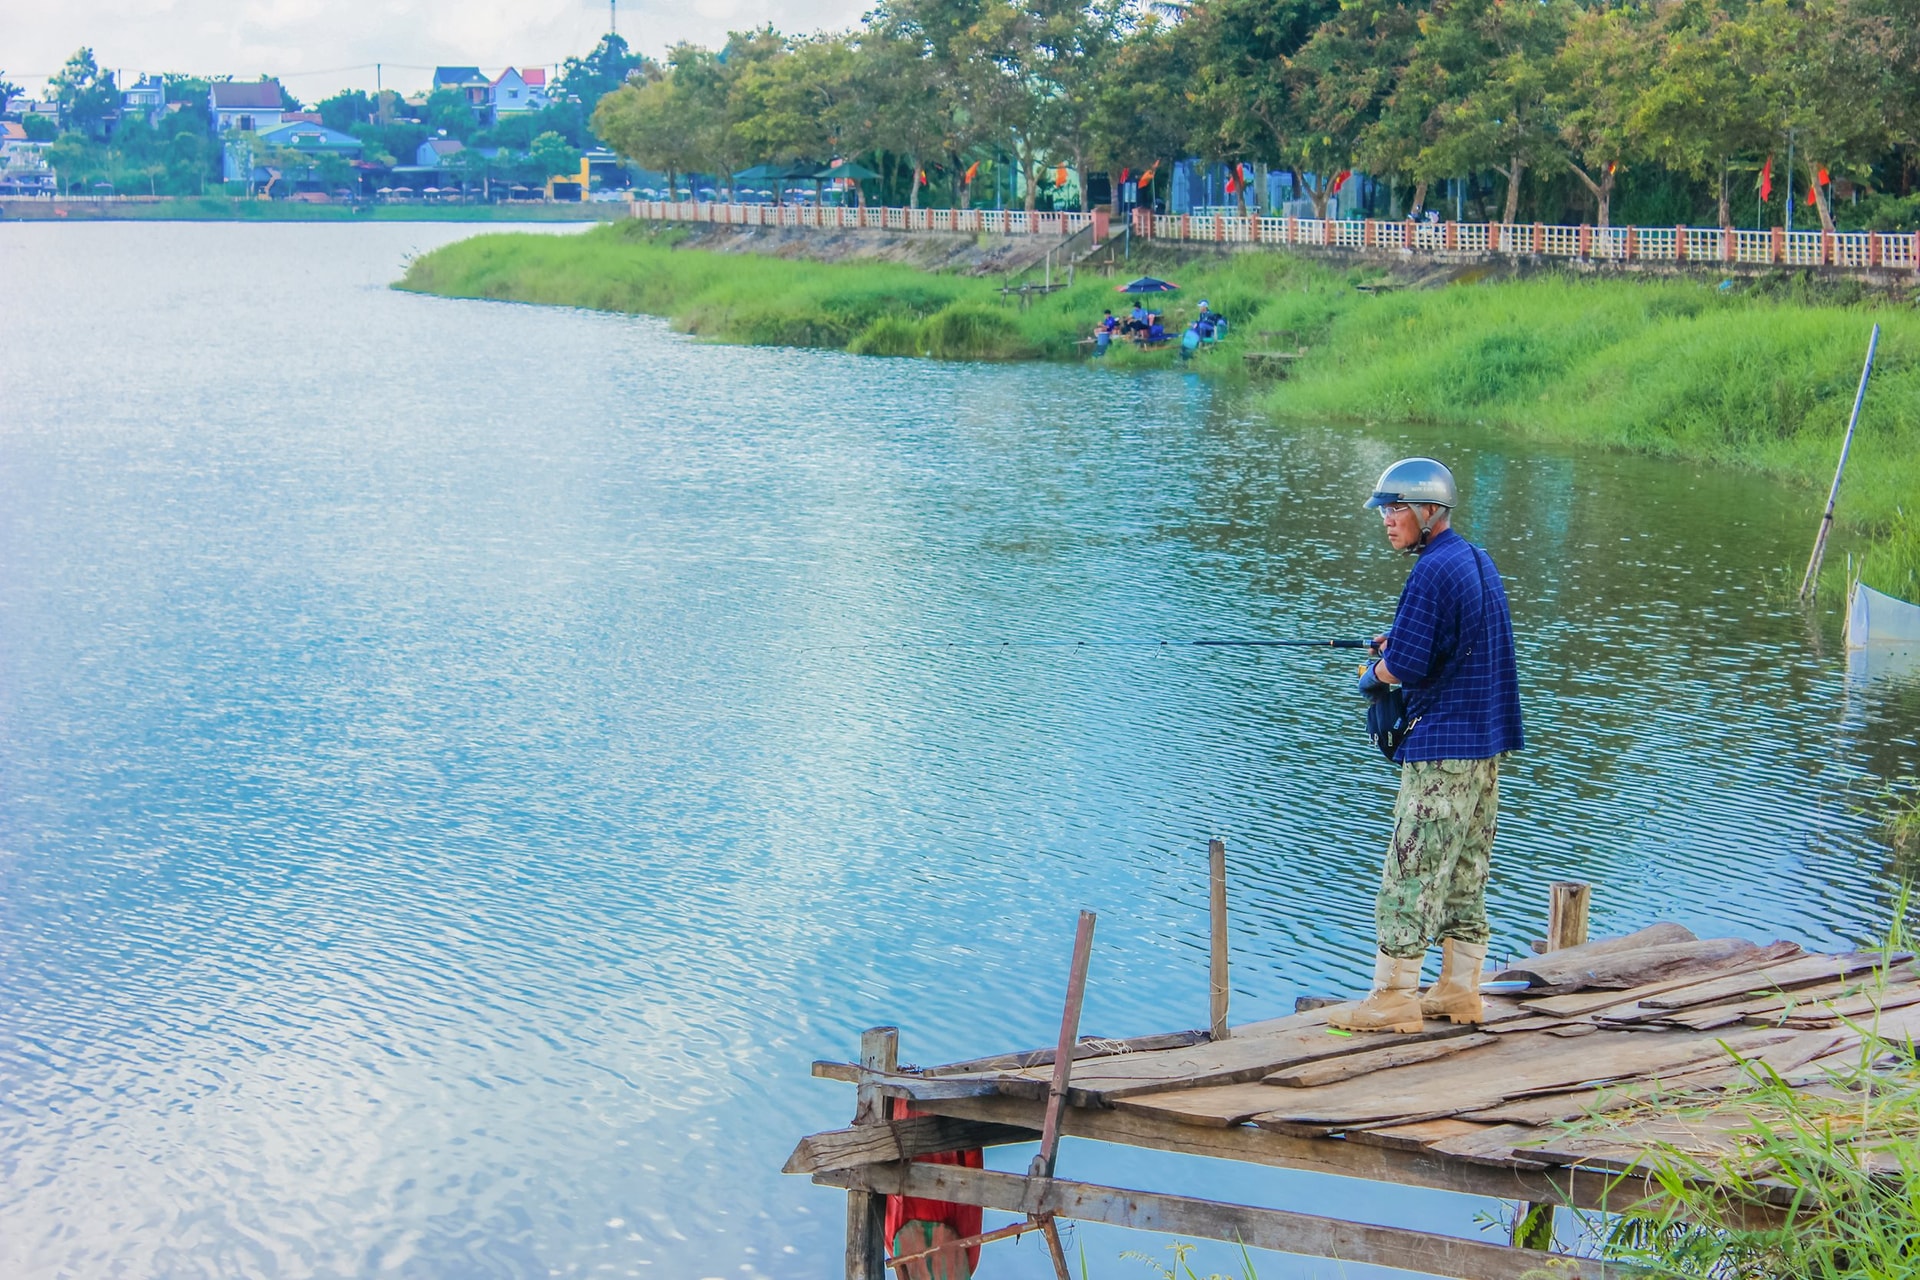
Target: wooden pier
x=1621, y=1036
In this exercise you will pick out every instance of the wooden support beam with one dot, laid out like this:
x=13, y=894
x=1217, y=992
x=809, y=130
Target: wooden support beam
x=1424, y=1252
x=898, y=1140
x=867, y=1212
x=1341, y=1158
x=1567, y=902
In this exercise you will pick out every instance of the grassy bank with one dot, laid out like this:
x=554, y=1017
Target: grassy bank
x=1759, y=374
x=234, y=209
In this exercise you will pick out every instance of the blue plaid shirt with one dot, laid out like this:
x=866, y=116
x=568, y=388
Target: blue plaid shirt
x=1452, y=647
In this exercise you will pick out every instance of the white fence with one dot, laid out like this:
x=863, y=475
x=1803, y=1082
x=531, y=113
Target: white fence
x=1854, y=250
x=1012, y=222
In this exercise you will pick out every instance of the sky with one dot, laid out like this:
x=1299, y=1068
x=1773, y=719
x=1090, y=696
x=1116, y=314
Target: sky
x=317, y=47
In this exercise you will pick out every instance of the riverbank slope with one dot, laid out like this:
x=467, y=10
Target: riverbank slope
x=1756, y=374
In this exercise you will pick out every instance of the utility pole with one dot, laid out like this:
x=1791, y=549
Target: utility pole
x=613, y=17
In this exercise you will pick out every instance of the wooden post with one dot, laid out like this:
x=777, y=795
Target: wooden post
x=1041, y=1170
x=1566, y=927
x=1217, y=914
x=1567, y=913
x=867, y=1212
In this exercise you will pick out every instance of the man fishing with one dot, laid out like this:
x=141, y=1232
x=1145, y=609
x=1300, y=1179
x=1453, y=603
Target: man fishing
x=1451, y=650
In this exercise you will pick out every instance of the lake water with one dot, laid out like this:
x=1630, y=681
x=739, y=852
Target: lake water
x=460, y=762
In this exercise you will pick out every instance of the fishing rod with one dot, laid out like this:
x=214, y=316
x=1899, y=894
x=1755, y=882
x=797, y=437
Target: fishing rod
x=1107, y=644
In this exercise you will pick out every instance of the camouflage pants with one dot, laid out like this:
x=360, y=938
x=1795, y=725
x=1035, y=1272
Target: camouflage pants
x=1434, y=884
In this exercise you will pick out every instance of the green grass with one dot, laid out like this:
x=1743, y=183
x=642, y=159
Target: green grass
x=1759, y=376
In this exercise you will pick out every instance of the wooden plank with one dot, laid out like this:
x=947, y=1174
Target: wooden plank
x=1330, y=1070
x=1542, y=1109
x=897, y=1140
x=917, y=1088
x=1833, y=1013
x=1255, y=1052
x=1398, y=1248
x=1508, y=1068
x=1089, y=1047
x=1331, y=1156
x=1637, y=968
x=1218, y=986
x=1662, y=934
x=1801, y=972
x=1582, y=1003
x=1499, y=1144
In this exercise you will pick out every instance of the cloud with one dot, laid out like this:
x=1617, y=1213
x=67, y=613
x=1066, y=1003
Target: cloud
x=319, y=46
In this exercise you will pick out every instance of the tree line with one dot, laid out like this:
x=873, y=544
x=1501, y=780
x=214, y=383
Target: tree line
x=97, y=143
x=1551, y=110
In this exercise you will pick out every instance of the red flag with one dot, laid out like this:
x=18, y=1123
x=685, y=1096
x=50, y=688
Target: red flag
x=1766, y=180
x=1340, y=180
x=1123, y=176
x=1233, y=180
x=1060, y=176
x=1824, y=180
x=971, y=170
x=923, y=177
x=1147, y=177
x=1813, y=196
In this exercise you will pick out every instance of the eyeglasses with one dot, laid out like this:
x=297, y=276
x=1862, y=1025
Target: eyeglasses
x=1395, y=508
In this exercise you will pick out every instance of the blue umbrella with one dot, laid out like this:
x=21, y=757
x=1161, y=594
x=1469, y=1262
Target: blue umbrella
x=1147, y=284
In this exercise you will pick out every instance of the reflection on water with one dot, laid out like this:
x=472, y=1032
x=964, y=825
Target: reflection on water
x=462, y=761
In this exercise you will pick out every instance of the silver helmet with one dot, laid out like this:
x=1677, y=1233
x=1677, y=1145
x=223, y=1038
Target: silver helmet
x=1414, y=480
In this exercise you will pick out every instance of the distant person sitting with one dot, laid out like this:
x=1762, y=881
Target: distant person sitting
x=1136, y=320
x=1210, y=324
x=1107, y=322
x=1156, y=333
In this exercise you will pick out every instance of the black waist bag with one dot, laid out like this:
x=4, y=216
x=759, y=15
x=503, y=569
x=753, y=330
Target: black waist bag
x=1387, y=719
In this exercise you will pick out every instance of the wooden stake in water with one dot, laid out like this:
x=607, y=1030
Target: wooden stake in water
x=1833, y=494
x=1041, y=1171
x=1567, y=902
x=1217, y=903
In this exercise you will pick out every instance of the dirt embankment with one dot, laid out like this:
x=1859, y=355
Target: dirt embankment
x=964, y=254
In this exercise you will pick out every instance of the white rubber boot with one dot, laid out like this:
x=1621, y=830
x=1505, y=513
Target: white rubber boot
x=1456, y=996
x=1394, y=1003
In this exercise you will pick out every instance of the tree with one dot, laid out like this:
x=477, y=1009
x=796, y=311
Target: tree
x=7, y=91
x=1603, y=73
x=553, y=157
x=39, y=128
x=1244, y=103
x=77, y=161
x=1817, y=70
x=1486, y=65
x=448, y=111
x=1339, y=82
x=642, y=121
x=1080, y=44
x=86, y=94
x=346, y=109
x=1698, y=106
x=584, y=81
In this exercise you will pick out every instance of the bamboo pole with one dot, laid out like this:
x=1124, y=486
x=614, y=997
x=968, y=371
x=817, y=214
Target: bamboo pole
x=1041, y=1170
x=1826, y=520
x=1218, y=988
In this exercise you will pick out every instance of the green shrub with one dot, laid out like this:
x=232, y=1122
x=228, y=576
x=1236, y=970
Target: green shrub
x=970, y=330
x=888, y=336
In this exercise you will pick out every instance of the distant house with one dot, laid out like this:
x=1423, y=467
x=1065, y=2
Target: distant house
x=434, y=153
x=301, y=117
x=147, y=97
x=468, y=80
x=251, y=106
x=23, y=164
x=515, y=91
